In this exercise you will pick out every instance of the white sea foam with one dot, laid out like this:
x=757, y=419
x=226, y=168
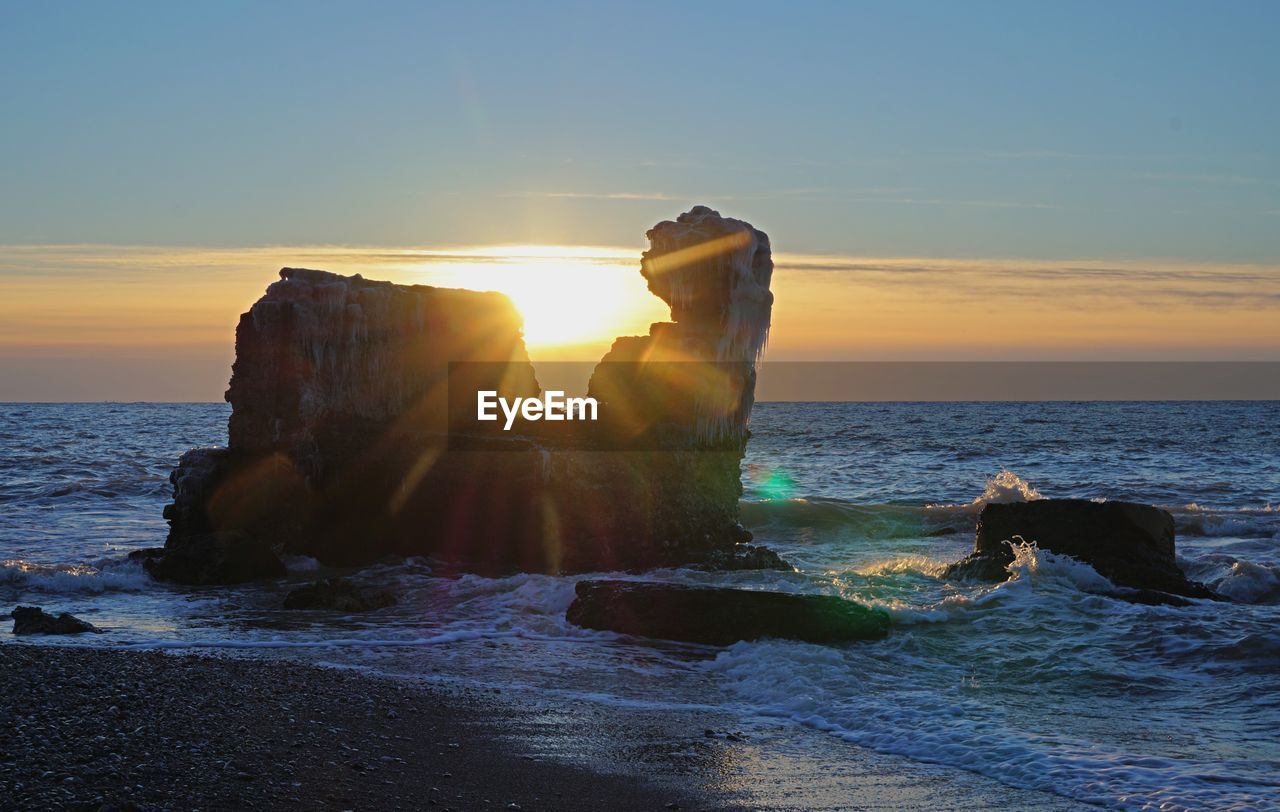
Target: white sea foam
x=116, y=576
x=1250, y=583
x=1198, y=520
x=1031, y=563
x=1033, y=571
x=1005, y=486
x=949, y=608
x=875, y=699
x=899, y=565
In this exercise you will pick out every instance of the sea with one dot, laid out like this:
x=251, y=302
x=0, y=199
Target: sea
x=1036, y=683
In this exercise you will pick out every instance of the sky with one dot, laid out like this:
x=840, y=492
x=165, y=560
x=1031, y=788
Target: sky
x=941, y=181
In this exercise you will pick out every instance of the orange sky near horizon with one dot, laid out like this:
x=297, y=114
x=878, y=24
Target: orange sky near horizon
x=110, y=302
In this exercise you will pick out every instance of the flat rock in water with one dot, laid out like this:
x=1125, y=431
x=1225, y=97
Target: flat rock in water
x=337, y=594
x=1132, y=545
x=34, y=620
x=720, y=617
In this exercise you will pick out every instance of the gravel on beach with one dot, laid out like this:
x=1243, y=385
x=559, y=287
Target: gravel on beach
x=92, y=728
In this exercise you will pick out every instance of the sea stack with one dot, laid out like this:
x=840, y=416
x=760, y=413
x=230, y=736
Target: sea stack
x=348, y=442
x=700, y=368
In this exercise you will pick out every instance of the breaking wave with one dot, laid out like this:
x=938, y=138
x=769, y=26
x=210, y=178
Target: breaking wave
x=110, y=576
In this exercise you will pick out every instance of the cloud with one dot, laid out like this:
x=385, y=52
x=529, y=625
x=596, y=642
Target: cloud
x=1062, y=284
x=872, y=194
x=51, y=273
x=603, y=195
x=1211, y=179
x=1045, y=154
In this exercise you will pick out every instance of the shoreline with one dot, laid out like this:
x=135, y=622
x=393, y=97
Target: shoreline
x=89, y=727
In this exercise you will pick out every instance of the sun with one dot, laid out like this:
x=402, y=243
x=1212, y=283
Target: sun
x=565, y=302
x=571, y=297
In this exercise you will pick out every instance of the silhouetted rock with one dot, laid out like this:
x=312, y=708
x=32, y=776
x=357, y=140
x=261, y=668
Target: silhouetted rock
x=350, y=438
x=1131, y=544
x=720, y=617
x=226, y=557
x=34, y=620
x=327, y=366
x=339, y=595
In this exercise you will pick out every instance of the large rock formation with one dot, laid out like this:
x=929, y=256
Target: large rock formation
x=353, y=436
x=721, y=617
x=1130, y=544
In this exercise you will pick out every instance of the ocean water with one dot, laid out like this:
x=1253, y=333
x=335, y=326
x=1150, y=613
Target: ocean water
x=1036, y=682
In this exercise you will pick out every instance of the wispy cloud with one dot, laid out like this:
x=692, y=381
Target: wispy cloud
x=892, y=195
x=142, y=299
x=1065, y=284
x=1046, y=154
x=1212, y=179
x=984, y=204
x=599, y=195
x=687, y=162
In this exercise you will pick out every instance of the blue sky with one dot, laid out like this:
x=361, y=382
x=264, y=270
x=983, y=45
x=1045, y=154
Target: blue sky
x=1069, y=130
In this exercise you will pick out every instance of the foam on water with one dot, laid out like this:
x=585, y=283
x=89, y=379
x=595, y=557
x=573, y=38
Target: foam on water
x=126, y=576
x=1004, y=487
x=1001, y=704
x=820, y=688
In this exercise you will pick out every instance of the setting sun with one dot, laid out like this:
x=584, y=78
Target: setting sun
x=572, y=298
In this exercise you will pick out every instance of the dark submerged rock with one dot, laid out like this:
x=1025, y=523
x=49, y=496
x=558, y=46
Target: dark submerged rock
x=1132, y=545
x=228, y=557
x=718, y=616
x=746, y=557
x=339, y=595
x=34, y=620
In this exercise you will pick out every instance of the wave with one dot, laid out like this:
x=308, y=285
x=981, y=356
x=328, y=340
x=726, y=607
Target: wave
x=1006, y=486
x=1207, y=522
x=830, y=690
x=1043, y=639
x=877, y=521
x=888, y=520
x=110, y=576
x=1030, y=563
x=891, y=521
x=1242, y=581
x=900, y=565
x=1038, y=579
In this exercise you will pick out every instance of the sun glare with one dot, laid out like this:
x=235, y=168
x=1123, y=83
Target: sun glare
x=569, y=296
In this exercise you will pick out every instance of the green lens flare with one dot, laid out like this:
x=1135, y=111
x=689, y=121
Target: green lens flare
x=776, y=484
